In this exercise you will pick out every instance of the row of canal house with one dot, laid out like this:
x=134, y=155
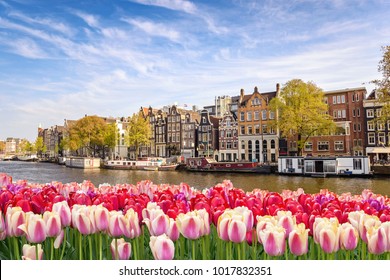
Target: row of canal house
x=239, y=128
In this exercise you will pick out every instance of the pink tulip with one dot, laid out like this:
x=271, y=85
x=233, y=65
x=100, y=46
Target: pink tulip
x=13, y=219
x=247, y=216
x=298, y=240
x=62, y=208
x=132, y=226
x=53, y=223
x=191, y=225
x=34, y=228
x=162, y=247
x=377, y=240
x=158, y=225
x=59, y=239
x=286, y=220
x=329, y=239
x=273, y=240
x=237, y=230
x=116, y=224
x=222, y=228
x=386, y=227
x=101, y=216
x=263, y=222
x=29, y=252
x=81, y=220
x=3, y=231
x=5, y=180
x=349, y=237
x=173, y=231
x=363, y=222
x=151, y=211
x=123, y=249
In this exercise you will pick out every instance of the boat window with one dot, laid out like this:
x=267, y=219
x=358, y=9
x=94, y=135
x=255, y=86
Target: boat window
x=357, y=163
x=289, y=163
x=329, y=166
x=300, y=163
x=309, y=166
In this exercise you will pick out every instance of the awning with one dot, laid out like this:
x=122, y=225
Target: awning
x=378, y=150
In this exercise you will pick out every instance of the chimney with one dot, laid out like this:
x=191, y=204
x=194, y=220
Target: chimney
x=241, y=95
x=277, y=88
x=256, y=90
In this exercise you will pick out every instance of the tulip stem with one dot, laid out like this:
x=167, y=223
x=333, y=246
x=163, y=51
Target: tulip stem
x=36, y=252
x=100, y=246
x=193, y=249
x=80, y=247
x=135, y=249
x=116, y=249
x=63, y=244
x=90, y=247
x=51, y=247
x=16, y=248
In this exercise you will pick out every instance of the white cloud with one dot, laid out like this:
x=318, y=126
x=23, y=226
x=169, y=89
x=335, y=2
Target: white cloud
x=177, y=5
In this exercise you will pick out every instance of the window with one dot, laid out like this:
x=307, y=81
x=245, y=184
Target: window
x=309, y=166
x=381, y=126
x=256, y=116
x=370, y=113
x=343, y=99
x=335, y=114
x=358, y=112
x=222, y=145
x=359, y=127
x=343, y=113
x=243, y=145
x=264, y=114
x=271, y=115
x=339, y=145
x=381, y=138
x=242, y=130
x=359, y=143
x=257, y=129
x=256, y=101
x=353, y=97
x=329, y=166
x=353, y=113
x=289, y=163
x=338, y=99
x=249, y=116
x=308, y=146
x=357, y=164
x=371, y=138
x=264, y=129
x=242, y=116
x=334, y=99
x=323, y=146
x=354, y=127
x=249, y=130
x=228, y=133
x=271, y=130
x=371, y=126
x=222, y=133
x=357, y=97
x=378, y=112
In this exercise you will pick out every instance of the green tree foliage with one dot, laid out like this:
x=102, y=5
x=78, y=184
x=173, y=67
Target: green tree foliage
x=91, y=133
x=26, y=147
x=40, y=146
x=2, y=147
x=383, y=86
x=138, y=132
x=302, y=112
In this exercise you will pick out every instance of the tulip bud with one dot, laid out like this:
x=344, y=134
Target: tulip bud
x=298, y=240
x=349, y=237
x=14, y=218
x=53, y=223
x=273, y=240
x=63, y=210
x=29, y=252
x=123, y=249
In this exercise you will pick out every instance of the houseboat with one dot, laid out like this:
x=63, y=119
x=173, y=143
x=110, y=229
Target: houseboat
x=82, y=162
x=32, y=157
x=209, y=164
x=141, y=164
x=168, y=167
x=358, y=166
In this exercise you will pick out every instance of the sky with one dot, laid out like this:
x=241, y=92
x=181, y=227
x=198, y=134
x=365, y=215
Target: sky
x=63, y=59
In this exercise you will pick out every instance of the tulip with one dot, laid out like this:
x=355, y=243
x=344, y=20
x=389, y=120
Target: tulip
x=173, y=231
x=132, y=227
x=59, y=239
x=193, y=225
x=263, y=222
x=116, y=224
x=377, y=240
x=30, y=252
x=158, y=225
x=298, y=240
x=162, y=247
x=81, y=219
x=62, y=208
x=247, y=216
x=328, y=236
x=273, y=240
x=349, y=237
x=34, y=228
x=386, y=227
x=14, y=218
x=101, y=216
x=3, y=231
x=121, y=248
x=237, y=230
x=53, y=223
x=286, y=220
x=222, y=227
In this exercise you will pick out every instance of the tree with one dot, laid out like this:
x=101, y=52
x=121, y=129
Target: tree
x=302, y=112
x=26, y=147
x=87, y=133
x=138, y=132
x=2, y=147
x=40, y=146
x=383, y=86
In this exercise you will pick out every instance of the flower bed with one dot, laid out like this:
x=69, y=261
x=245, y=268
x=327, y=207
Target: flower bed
x=149, y=221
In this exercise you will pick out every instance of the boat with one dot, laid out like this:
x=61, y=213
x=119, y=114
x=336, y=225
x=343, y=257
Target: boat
x=61, y=160
x=321, y=167
x=151, y=168
x=83, y=162
x=10, y=157
x=209, y=164
x=168, y=167
x=28, y=158
x=133, y=164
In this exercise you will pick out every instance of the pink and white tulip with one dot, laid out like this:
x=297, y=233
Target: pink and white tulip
x=29, y=252
x=194, y=224
x=377, y=240
x=123, y=249
x=162, y=247
x=62, y=208
x=13, y=219
x=53, y=223
x=81, y=219
x=132, y=226
x=3, y=230
x=273, y=240
x=116, y=224
x=326, y=232
x=286, y=220
x=349, y=237
x=101, y=217
x=298, y=240
x=34, y=228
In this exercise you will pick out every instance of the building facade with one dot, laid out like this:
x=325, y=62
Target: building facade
x=189, y=136
x=258, y=139
x=208, y=136
x=228, y=138
x=377, y=131
x=160, y=133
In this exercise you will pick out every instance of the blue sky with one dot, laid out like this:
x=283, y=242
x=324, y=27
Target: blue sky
x=62, y=59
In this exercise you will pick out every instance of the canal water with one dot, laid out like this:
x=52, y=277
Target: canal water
x=47, y=172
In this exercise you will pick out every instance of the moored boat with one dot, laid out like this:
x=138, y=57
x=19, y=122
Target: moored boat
x=208, y=164
x=28, y=158
x=168, y=167
x=133, y=164
x=83, y=162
